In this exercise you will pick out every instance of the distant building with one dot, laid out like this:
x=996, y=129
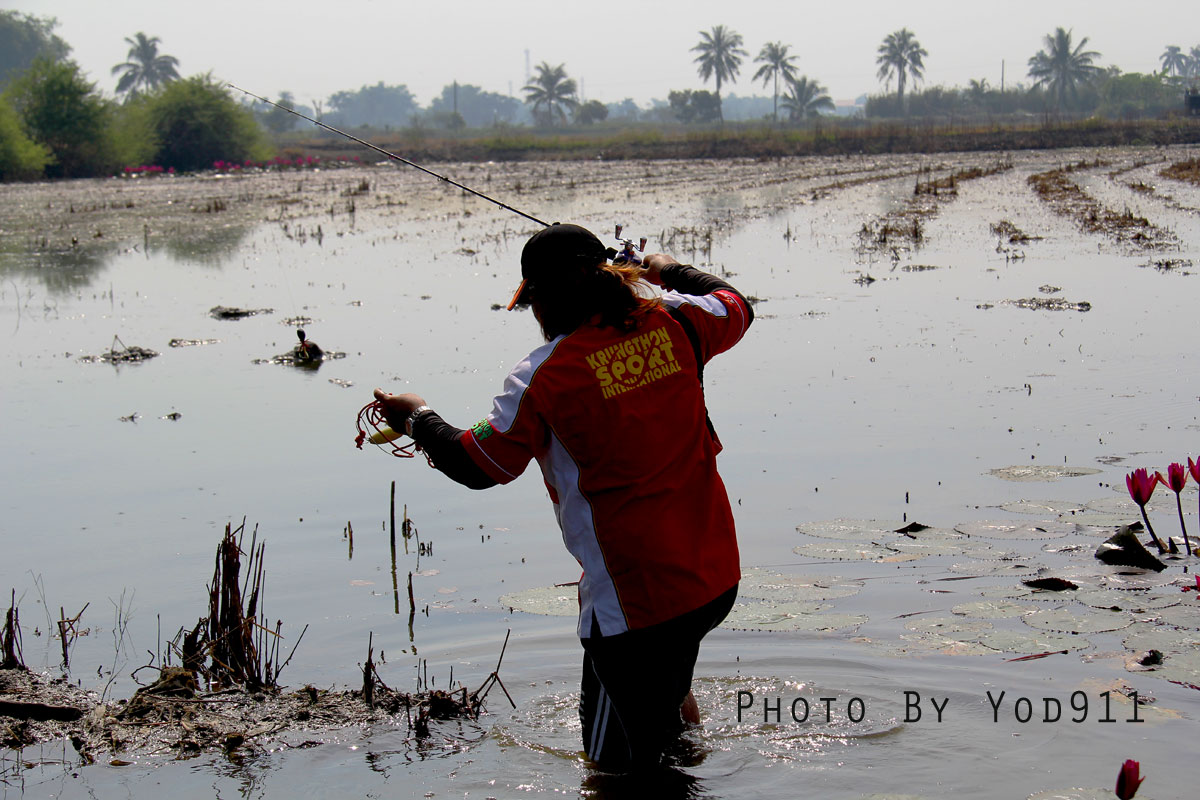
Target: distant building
x=851, y=108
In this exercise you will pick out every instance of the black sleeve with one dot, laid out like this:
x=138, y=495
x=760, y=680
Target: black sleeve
x=441, y=441
x=687, y=279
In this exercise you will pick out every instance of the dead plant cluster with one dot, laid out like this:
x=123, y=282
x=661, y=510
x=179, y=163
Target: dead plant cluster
x=904, y=227
x=1066, y=198
x=1188, y=170
x=225, y=695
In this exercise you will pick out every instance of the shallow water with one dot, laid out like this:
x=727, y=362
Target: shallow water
x=891, y=400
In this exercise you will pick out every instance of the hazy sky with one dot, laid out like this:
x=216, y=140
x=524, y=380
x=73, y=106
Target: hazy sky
x=616, y=49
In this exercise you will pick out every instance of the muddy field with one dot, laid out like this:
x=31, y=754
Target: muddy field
x=960, y=340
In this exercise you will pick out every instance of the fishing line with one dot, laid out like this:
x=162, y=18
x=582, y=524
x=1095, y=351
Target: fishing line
x=393, y=156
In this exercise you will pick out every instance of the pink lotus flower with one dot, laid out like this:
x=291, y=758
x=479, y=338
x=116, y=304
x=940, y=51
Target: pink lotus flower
x=1175, y=481
x=1141, y=488
x=1129, y=779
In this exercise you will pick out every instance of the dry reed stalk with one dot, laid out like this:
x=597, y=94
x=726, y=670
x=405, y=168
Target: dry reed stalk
x=235, y=641
x=10, y=639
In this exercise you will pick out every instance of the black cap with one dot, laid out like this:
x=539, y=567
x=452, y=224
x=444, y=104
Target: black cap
x=556, y=250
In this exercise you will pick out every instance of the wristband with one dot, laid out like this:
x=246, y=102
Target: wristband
x=412, y=418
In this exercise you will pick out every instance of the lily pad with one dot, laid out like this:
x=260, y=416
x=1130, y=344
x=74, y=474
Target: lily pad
x=1030, y=642
x=1168, y=640
x=1183, y=615
x=962, y=547
x=788, y=617
x=848, y=551
x=1128, y=601
x=1043, y=507
x=929, y=644
x=947, y=626
x=1132, y=580
x=550, y=601
x=998, y=566
x=1041, y=472
x=994, y=609
x=1070, y=620
x=1180, y=668
x=1098, y=523
x=1017, y=592
x=1030, y=531
x=1122, y=505
x=864, y=530
x=761, y=584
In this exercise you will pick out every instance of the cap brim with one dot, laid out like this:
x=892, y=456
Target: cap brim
x=516, y=298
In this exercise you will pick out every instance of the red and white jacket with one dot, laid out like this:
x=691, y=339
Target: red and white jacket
x=617, y=423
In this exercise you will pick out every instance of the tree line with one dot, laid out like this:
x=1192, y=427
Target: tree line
x=55, y=123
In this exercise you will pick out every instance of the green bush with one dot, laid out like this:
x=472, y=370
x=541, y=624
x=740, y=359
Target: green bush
x=132, y=131
x=20, y=157
x=61, y=110
x=196, y=123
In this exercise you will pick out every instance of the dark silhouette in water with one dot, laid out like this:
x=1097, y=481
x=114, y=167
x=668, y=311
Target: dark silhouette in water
x=307, y=351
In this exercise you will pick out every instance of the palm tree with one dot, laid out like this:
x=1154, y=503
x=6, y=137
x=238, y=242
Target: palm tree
x=978, y=92
x=552, y=90
x=806, y=99
x=1174, y=61
x=1193, y=67
x=901, y=54
x=720, y=56
x=145, y=68
x=775, y=62
x=1061, y=68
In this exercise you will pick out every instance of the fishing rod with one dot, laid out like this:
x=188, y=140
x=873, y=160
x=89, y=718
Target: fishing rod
x=393, y=156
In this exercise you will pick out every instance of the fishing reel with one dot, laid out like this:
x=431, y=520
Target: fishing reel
x=630, y=253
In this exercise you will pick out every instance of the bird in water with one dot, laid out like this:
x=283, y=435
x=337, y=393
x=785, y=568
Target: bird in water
x=307, y=351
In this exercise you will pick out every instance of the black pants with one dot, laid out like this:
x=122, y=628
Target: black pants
x=634, y=682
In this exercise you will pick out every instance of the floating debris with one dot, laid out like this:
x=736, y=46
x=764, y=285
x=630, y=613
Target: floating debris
x=342, y=382
x=1048, y=304
x=120, y=353
x=228, y=312
x=1046, y=288
x=191, y=342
